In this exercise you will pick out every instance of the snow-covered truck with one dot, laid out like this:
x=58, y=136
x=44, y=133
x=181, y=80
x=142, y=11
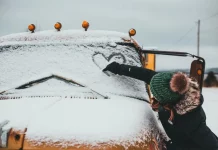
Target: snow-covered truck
x=54, y=95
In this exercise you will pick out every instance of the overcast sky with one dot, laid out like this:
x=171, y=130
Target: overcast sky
x=159, y=23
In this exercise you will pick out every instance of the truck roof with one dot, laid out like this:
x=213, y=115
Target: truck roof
x=64, y=36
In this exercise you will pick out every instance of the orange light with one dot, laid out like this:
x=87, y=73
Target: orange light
x=32, y=27
x=58, y=26
x=199, y=72
x=132, y=32
x=85, y=25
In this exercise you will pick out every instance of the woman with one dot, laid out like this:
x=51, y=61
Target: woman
x=178, y=101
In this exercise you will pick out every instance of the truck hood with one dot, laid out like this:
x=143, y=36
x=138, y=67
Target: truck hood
x=80, y=121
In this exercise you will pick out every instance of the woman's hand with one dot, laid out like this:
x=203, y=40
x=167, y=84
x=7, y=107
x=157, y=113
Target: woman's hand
x=113, y=67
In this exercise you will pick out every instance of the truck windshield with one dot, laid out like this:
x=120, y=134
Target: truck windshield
x=82, y=62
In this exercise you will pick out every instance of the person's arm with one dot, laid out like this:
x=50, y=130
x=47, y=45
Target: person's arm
x=131, y=71
x=137, y=72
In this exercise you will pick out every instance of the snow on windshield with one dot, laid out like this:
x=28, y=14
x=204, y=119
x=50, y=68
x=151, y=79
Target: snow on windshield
x=52, y=87
x=80, y=60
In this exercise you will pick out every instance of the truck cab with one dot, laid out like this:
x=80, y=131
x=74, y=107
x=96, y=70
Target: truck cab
x=54, y=95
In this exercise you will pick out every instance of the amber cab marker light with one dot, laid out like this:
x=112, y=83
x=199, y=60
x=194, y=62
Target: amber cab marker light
x=32, y=28
x=85, y=25
x=132, y=32
x=58, y=26
x=199, y=71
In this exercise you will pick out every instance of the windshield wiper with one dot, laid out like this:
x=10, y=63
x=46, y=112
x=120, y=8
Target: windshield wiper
x=34, y=82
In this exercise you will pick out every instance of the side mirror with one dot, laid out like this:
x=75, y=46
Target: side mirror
x=197, y=71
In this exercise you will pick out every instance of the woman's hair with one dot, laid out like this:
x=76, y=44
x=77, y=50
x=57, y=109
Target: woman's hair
x=155, y=105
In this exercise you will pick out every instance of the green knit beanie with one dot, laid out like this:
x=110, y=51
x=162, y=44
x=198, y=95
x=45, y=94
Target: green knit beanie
x=168, y=87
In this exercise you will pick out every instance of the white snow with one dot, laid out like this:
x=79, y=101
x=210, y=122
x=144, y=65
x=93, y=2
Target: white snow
x=79, y=56
x=76, y=56
x=63, y=36
x=19, y=111
x=54, y=87
x=210, y=107
x=53, y=119
x=92, y=121
x=118, y=120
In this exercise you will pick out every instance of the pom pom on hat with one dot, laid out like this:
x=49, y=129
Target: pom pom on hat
x=179, y=83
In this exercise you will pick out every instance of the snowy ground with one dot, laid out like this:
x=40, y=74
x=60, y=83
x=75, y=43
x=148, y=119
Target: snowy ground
x=210, y=107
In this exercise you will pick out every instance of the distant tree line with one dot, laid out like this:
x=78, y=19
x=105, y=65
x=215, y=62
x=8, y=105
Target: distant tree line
x=211, y=80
